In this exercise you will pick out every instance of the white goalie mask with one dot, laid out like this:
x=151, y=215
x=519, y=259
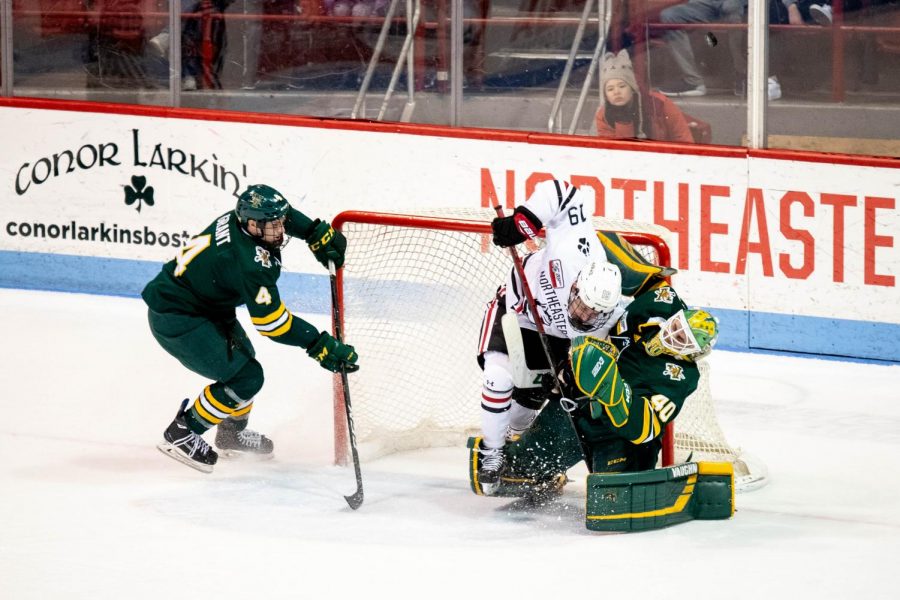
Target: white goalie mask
x=687, y=333
x=594, y=295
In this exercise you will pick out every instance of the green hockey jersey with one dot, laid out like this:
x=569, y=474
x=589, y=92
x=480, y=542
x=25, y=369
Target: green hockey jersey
x=224, y=267
x=659, y=384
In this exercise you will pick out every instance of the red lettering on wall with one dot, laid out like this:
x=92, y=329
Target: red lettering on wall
x=754, y=202
x=839, y=202
x=873, y=241
x=678, y=225
x=708, y=228
x=801, y=235
x=534, y=179
x=489, y=196
x=629, y=186
x=582, y=181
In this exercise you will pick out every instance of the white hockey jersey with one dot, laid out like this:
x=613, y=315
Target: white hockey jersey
x=571, y=243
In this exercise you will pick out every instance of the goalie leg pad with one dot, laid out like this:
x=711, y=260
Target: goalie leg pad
x=537, y=461
x=536, y=486
x=659, y=497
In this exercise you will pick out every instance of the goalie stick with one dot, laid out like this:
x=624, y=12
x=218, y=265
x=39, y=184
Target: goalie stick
x=356, y=499
x=567, y=406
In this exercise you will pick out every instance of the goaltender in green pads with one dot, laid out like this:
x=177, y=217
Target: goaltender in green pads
x=619, y=424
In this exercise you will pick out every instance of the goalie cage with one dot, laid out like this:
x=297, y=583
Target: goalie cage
x=412, y=292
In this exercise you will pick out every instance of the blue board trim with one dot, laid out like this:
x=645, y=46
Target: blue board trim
x=739, y=330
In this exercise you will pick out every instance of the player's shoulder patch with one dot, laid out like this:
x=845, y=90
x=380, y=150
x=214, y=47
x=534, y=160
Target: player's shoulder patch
x=263, y=257
x=664, y=294
x=674, y=371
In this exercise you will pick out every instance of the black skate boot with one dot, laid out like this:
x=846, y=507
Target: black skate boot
x=185, y=446
x=234, y=440
x=493, y=466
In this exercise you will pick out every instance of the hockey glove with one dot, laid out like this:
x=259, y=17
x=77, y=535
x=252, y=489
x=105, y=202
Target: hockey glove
x=509, y=231
x=333, y=355
x=327, y=244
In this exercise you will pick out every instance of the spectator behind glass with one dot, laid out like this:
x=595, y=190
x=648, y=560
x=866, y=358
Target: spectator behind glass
x=623, y=112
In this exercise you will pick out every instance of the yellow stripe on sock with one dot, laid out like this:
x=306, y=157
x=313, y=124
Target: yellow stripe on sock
x=204, y=414
x=218, y=405
x=243, y=411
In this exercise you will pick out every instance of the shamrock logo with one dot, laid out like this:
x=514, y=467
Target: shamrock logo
x=584, y=246
x=141, y=192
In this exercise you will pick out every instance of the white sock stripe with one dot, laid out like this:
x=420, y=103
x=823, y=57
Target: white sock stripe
x=496, y=402
x=207, y=405
x=235, y=397
x=495, y=395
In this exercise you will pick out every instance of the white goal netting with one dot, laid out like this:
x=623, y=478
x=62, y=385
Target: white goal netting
x=413, y=290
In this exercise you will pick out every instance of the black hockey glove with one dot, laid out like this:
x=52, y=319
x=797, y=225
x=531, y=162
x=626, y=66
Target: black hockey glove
x=509, y=231
x=333, y=355
x=327, y=244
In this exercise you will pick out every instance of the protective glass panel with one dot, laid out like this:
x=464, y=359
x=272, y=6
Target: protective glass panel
x=89, y=50
x=836, y=68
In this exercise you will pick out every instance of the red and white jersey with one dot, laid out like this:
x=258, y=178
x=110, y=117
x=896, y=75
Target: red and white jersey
x=571, y=243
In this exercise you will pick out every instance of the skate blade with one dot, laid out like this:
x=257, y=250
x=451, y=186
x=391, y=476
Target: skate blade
x=488, y=489
x=173, y=452
x=245, y=456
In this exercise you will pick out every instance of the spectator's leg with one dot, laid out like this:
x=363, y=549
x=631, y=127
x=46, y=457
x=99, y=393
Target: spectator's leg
x=735, y=11
x=695, y=11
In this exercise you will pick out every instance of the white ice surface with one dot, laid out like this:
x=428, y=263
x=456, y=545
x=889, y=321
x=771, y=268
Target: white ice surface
x=90, y=509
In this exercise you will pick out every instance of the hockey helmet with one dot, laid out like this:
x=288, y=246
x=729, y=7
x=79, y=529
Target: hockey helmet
x=689, y=332
x=594, y=295
x=261, y=203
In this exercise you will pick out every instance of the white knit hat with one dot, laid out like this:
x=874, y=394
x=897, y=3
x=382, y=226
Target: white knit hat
x=617, y=66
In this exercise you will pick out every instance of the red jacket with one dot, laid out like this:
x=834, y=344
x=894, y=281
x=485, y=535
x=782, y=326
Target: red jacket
x=667, y=123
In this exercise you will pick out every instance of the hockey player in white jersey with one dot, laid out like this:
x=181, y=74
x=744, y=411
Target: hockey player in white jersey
x=576, y=291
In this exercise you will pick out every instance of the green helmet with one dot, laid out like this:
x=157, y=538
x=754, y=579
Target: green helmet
x=705, y=328
x=261, y=203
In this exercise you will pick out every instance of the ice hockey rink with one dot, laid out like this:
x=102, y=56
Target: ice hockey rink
x=90, y=509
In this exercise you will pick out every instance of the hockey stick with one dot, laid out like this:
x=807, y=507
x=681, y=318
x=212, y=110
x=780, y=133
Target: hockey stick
x=356, y=499
x=545, y=342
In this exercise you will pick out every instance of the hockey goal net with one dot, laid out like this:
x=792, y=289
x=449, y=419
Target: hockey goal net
x=412, y=292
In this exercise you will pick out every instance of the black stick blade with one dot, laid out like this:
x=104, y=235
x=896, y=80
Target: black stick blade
x=356, y=500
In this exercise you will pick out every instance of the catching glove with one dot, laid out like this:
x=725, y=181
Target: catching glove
x=327, y=244
x=509, y=231
x=332, y=354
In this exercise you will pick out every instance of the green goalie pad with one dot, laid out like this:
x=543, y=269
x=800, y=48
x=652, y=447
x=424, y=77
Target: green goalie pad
x=543, y=486
x=659, y=497
x=638, y=275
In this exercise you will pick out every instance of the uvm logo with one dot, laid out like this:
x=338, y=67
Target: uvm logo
x=138, y=192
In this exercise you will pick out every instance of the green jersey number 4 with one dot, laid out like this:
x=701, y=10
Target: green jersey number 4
x=190, y=251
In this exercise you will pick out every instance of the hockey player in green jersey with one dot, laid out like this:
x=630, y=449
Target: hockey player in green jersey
x=235, y=261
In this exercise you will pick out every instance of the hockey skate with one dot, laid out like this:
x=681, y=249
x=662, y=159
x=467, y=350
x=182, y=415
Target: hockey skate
x=234, y=440
x=185, y=446
x=493, y=466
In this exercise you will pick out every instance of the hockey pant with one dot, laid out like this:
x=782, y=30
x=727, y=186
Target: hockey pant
x=219, y=351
